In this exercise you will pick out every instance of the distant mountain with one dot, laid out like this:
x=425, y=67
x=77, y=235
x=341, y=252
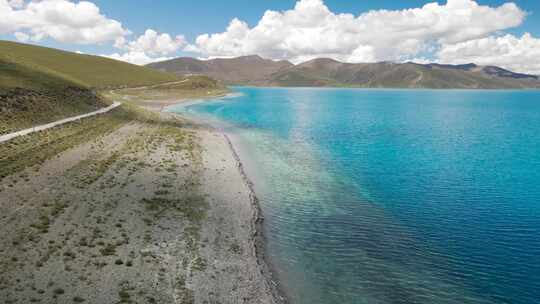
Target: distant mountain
x=241, y=70
x=327, y=72
x=254, y=70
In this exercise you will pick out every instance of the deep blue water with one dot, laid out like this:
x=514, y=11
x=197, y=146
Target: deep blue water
x=395, y=196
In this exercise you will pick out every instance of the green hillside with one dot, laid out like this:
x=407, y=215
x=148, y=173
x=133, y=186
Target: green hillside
x=192, y=86
x=34, y=67
x=39, y=85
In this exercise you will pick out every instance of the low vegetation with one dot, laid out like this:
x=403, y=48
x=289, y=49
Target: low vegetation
x=31, y=150
x=40, y=85
x=108, y=212
x=187, y=87
x=23, y=108
x=109, y=208
x=35, y=67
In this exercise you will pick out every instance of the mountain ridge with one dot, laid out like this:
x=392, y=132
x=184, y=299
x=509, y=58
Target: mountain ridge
x=228, y=70
x=328, y=72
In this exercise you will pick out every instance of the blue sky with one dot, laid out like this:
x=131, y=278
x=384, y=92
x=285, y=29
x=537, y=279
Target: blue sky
x=191, y=19
x=183, y=16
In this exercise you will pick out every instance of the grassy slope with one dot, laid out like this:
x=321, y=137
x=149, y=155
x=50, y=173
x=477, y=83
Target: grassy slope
x=39, y=85
x=21, y=109
x=35, y=67
x=188, y=87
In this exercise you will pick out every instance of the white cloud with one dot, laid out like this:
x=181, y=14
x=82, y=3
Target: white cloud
x=61, y=20
x=22, y=37
x=457, y=31
x=517, y=54
x=149, y=47
x=16, y=3
x=153, y=43
x=140, y=58
x=82, y=23
x=312, y=30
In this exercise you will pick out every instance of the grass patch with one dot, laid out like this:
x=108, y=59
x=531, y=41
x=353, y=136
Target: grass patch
x=193, y=207
x=193, y=86
x=23, y=108
x=96, y=169
x=59, y=291
x=108, y=250
x=34, y=149
x=199, y=264
x=30, y=66
x=235, y=248
x=187, y=295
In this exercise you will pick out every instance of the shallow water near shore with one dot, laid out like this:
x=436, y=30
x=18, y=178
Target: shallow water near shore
x=394, y=196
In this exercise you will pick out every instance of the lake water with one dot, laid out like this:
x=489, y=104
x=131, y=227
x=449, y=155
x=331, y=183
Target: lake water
x=394, y=196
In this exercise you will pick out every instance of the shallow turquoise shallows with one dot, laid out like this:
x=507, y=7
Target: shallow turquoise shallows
x=394, y=196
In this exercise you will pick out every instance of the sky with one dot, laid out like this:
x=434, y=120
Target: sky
x=487, y=32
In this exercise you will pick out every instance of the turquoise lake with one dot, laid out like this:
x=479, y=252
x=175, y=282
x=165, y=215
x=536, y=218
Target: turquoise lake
x=393, y=196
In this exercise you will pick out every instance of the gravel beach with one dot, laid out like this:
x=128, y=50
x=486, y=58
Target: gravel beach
x=149, y=212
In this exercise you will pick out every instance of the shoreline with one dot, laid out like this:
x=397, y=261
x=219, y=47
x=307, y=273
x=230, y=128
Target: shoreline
x=258, y=239
x=208, y=247
x=257, y=221
x=192, y=101
x=162, y=105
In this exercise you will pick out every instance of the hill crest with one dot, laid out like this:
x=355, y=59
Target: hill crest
x=255, y=70
x=37, y=67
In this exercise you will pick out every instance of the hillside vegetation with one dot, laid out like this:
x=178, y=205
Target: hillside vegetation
x=161, y=95
x=254, y=70
x=39, y=85
x=35, y=67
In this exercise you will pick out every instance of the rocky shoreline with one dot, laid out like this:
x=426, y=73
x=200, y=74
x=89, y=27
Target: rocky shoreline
x=156, y=211
x=257, y=232
x=257, y=238
x=271, y=283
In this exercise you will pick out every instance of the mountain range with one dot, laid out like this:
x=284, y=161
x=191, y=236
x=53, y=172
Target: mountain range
x=324, y=72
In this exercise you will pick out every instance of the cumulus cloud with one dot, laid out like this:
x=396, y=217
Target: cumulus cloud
x=312, y=30
x=82, y=23
x=457, y=31
x=16, y=3
x=149, y=47
x=61, y=20
x=139, y=58
x=22, y=37
x=153, y=43
x=508, y=51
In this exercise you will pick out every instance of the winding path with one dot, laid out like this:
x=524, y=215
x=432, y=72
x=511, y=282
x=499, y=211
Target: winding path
x=10, y=136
